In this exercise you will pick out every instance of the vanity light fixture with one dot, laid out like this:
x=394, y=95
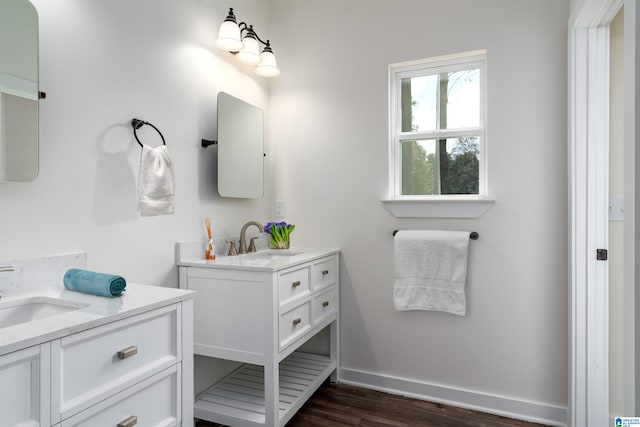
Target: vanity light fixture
x=243, y=41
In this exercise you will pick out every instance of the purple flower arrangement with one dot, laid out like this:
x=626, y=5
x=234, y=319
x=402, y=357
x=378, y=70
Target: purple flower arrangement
x=279, y=232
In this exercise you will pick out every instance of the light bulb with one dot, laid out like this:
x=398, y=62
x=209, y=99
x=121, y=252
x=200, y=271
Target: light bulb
x=268, y=66
x=250, y=52
x=229, y=37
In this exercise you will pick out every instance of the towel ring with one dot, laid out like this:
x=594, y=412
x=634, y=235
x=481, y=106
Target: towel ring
x=137, y=124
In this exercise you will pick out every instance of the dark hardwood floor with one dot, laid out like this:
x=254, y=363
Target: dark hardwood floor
x=343, y=405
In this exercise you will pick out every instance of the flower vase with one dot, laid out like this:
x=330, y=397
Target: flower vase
x=279, y=243
x=279, y=232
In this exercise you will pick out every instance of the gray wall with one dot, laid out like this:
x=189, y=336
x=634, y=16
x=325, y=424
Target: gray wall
x=329, y=127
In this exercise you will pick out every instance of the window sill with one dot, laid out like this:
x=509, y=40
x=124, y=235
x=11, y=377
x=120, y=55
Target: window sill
x=431, y=208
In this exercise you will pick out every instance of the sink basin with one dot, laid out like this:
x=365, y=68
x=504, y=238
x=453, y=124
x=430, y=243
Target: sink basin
x=34, y=308
x=271, y=253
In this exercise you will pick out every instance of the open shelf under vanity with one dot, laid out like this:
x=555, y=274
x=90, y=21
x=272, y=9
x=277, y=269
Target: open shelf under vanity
x=240, y=395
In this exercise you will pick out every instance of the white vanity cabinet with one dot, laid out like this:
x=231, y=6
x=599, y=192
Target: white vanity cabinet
x=260, y=311
x=117, y=362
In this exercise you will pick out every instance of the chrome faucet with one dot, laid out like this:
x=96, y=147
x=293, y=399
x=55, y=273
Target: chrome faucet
x=243, y=243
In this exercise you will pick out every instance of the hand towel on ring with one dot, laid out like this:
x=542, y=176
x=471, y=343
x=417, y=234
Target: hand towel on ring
x=156, y=182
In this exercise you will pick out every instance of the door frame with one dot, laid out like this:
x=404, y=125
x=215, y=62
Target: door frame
x=589, y=202
x=631, y=268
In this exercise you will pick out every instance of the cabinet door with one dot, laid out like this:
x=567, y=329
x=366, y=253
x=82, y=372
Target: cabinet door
x=229, y=311
x=23, y=398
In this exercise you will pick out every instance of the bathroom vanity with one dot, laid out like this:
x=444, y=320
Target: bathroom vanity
x=87, y=360
x=259, y=309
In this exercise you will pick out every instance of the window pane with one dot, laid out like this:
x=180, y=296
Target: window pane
x=418, y=103
x=460, y=92
x=440, y=166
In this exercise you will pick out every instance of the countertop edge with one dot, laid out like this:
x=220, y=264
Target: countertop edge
x=94, y=320
x=307, y=255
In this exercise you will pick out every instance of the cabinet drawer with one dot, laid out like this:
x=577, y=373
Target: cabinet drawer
x=92, y=365
x=324, y=305
x=293, y=285
x=294, y=323
x=152, y=402
x=324, y=272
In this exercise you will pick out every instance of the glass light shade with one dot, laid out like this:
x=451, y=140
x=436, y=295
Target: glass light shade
x=229, y=37
x=250, y=53
x=267, y=66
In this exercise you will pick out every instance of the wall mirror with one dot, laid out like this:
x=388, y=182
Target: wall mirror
x=18, y=91
x=240, y=148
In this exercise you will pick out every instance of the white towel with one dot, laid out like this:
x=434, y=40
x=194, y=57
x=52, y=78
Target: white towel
x=430, y=270
x=156, y=182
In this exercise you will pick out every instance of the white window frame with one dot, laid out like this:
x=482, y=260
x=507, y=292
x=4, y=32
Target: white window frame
x=430, y=66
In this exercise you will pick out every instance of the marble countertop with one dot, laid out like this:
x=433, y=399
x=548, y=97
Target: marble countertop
x=98, y=311
x=264, y=260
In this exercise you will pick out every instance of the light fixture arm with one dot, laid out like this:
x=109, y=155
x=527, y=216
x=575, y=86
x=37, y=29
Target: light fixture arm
x=250, y=32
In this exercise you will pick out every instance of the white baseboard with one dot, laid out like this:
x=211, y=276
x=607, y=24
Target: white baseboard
x=498, y=405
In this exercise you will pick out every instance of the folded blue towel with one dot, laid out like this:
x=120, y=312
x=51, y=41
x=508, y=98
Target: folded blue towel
x=90, y=282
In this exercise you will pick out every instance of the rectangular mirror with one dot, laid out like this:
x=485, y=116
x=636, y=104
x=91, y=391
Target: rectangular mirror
x=18, y=91
x=240, y=148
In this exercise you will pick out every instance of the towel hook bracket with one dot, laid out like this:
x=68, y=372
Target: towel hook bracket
x=137, y=124
x=206, y=143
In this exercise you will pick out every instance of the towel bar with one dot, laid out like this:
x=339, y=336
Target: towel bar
x=473, y=235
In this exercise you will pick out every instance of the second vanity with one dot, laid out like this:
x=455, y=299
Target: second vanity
x=72, y=359
x=259, y=309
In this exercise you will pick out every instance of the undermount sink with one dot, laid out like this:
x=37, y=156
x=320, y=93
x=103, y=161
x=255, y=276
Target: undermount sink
x=34, y=308
x=269, y=253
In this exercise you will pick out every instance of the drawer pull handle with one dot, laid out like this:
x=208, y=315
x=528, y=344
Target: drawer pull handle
x=128, y=422
x=325, y=272
x=127, y=352
x=296, y=283
x=296, y=321
x=325, y=304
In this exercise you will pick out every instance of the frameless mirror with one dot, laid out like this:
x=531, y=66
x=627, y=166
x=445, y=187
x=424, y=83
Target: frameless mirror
x=18, y=91
x=240, y=148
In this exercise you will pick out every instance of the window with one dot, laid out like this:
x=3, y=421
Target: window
x=437, y=127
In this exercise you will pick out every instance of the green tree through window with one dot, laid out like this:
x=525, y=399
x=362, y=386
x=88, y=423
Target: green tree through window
x=421, y=172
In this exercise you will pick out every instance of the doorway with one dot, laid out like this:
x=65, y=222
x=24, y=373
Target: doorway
x=589, y=42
